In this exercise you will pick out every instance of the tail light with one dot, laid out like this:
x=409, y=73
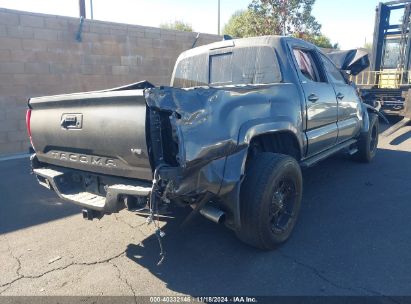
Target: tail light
x=28, y=118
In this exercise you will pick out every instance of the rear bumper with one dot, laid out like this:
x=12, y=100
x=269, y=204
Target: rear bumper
x=100, y=193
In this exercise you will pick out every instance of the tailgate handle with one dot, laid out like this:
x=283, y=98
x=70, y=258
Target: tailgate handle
x=72, y=121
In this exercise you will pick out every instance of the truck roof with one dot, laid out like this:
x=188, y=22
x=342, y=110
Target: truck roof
x=271, y=40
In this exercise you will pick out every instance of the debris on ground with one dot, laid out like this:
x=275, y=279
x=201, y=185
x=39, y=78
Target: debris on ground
x=54, y=259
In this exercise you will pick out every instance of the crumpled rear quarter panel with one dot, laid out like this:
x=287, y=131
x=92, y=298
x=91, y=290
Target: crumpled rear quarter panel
x=214, y=125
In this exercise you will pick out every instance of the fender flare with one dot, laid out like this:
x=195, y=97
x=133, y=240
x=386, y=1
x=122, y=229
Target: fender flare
x=367, y=108
x=257, y=128
x=235, y=163
x=365, y=118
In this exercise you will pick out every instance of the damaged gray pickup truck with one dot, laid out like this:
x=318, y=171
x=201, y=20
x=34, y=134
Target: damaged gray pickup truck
x=228, y=137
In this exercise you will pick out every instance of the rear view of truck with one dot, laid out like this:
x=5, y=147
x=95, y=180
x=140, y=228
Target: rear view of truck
x=129, y=147
x=96, y=162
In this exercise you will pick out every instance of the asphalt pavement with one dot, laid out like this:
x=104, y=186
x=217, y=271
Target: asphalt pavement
x=353, y=237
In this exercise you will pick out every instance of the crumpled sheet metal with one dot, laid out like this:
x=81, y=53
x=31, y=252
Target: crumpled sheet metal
x=214, y=127
x=354, y=61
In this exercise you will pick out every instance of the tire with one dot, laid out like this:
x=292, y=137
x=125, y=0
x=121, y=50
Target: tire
x=368, y=142
x=270, y=200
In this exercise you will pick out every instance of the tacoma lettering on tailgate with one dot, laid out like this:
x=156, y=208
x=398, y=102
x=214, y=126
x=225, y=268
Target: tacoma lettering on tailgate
x=85, y=159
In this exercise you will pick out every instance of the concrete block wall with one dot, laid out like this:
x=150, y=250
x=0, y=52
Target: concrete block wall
x=39, y=55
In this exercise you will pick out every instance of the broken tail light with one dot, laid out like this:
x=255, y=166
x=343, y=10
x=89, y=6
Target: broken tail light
x=28, y=119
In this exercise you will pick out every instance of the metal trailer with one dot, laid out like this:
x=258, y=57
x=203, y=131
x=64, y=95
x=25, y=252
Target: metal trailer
x=389, y=79
x=404, y=121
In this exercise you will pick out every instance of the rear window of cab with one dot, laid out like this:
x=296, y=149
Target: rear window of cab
x=238, y=65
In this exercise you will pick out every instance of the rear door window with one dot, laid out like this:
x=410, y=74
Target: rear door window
x=307, y=65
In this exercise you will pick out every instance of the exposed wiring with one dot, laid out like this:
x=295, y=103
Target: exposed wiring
x=153, y=204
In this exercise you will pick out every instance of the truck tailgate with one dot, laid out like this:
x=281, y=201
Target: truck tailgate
x=102, y=132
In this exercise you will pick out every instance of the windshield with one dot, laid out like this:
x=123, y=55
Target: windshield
x=239, y=65
x=391, y=54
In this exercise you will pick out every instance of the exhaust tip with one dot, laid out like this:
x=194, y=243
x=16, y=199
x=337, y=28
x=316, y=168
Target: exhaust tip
x=213, y=214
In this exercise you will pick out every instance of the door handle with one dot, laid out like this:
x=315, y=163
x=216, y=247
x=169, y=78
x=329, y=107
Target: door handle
x=340, y=96
x=313, y=97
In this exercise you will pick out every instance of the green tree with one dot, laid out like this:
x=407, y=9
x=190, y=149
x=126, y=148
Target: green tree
x=242, y=24
x=177, y=25
x=285, y=17
x=278, y=17
x=319, y=40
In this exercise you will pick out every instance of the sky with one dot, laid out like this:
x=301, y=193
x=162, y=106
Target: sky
x=349, y=23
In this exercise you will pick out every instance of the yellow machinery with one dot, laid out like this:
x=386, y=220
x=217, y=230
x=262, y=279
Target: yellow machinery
x=389, y=79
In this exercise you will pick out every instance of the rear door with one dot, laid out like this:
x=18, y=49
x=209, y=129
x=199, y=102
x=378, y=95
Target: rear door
x=348, y=102
x=321, y=102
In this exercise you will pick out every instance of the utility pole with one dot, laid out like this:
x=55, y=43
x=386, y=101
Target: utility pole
x=218, y=17
x=91, y=10
x=82, y=7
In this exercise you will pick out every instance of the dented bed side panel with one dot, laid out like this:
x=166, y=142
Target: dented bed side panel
x=214, y=127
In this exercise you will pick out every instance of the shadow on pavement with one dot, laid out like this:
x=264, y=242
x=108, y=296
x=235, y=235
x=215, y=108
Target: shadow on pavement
x=354, y=229
x=400, y=139
x=23, y=202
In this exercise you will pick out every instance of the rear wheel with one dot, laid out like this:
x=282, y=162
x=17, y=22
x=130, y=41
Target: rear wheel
x=270, y=200
x=368, y=142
